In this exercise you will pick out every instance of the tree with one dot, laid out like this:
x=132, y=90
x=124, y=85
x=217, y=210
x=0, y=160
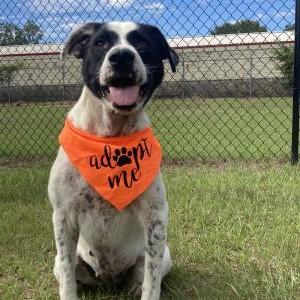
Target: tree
x=7, y=73
x=284, y=56
x=11, y=34
x=289, y=27
x=242, y=26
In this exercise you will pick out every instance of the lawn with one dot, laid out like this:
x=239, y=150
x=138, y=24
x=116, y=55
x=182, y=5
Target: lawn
x=195, y=129
x=233, y=234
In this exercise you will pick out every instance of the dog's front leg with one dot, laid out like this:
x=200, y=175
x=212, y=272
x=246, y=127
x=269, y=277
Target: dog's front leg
x=66, y=238
x=155, y=226
x=155, y=247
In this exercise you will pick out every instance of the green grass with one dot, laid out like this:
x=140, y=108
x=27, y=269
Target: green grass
x=233, y=233
x=205, y=129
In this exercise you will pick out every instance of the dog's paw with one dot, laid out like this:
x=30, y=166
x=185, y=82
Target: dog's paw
x=68, y=295
x=150, y=296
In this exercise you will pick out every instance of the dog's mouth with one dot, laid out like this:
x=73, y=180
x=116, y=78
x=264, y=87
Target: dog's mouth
x=124, y=97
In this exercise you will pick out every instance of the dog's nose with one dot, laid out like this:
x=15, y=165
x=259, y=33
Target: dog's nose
x=122, y=59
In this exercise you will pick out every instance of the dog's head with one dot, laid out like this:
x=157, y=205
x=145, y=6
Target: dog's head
x=122, y=61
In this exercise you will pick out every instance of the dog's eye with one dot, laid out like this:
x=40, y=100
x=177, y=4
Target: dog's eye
x=141, y=44
x=101, y=43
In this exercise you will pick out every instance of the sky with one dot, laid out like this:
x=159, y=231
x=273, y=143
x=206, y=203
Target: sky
x=176, y=18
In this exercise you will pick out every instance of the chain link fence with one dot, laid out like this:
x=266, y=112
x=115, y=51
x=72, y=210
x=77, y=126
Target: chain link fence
x=229, y=99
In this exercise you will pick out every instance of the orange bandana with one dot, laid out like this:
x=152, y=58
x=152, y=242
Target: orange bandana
x=118, y=168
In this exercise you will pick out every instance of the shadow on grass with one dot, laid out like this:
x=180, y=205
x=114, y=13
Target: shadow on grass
x=181, y=284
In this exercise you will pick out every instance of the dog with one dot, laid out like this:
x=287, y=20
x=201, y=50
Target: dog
x=122, y=65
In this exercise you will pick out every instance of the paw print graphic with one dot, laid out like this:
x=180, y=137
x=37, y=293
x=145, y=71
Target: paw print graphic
x=122, y=157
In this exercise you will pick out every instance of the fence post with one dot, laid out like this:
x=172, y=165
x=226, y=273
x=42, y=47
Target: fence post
x=183, y=77
x=296, y=89
x=63, y=77
x=250, y=74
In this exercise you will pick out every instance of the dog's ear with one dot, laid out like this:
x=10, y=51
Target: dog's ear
x=166, y=51
x=173, y=59
x=78, y=39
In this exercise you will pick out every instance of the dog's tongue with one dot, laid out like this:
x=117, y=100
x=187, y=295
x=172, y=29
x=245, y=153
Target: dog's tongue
x=124, y=95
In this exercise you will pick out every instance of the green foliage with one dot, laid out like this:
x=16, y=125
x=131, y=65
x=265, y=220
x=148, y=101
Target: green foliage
x=284, y=56
x=11, y=34
x=289, y=27
x=7, y=72
x=242, y=26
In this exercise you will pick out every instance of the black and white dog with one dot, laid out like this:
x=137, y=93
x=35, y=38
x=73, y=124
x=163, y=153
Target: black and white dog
x=122, y=65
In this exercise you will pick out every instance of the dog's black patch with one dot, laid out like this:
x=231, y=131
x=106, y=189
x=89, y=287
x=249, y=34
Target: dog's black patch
x=88, y=197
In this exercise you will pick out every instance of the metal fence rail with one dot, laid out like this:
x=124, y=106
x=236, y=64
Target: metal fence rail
x=230, y=97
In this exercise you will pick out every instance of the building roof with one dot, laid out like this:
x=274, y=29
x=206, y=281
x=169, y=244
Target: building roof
x=233, y=39
x=177, y=42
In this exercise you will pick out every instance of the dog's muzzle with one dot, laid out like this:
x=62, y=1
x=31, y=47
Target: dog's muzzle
x=123, y=86
x=121, y=62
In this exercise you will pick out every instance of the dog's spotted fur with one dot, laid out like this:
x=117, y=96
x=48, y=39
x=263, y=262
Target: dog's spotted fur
x=96, y=243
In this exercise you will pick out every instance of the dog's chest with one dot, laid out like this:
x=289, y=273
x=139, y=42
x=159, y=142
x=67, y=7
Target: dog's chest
x=110, y=244
x=110, y=241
